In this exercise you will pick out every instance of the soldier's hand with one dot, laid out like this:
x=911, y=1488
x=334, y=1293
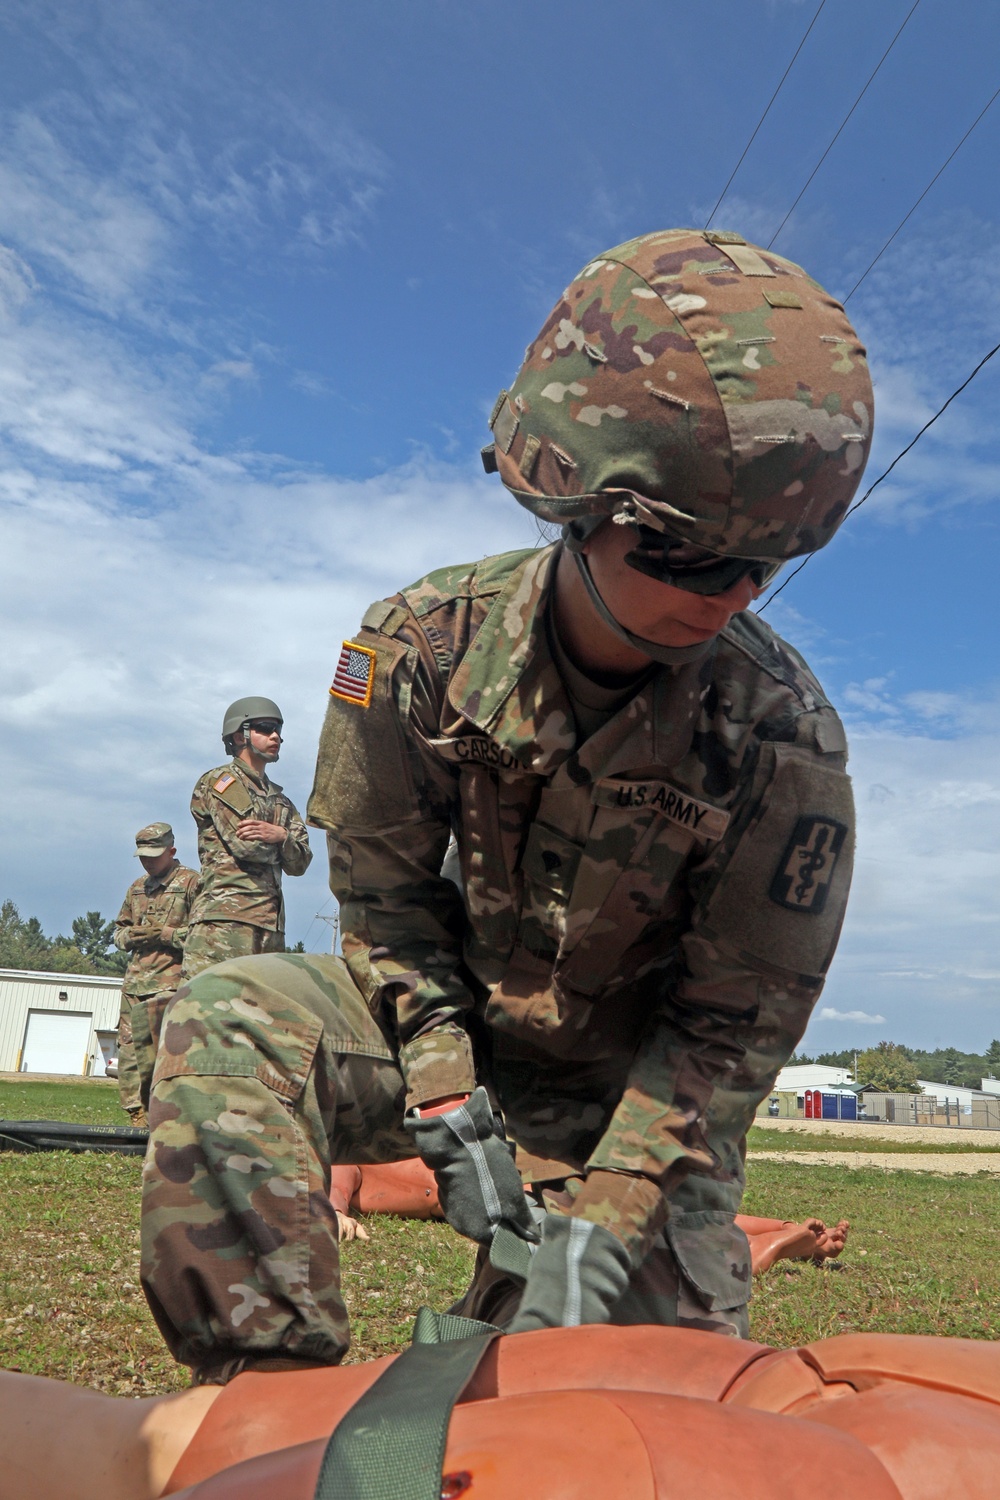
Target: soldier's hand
x=577, y=1274
x=145, y=936
x=479, y=1185
x=253, y=830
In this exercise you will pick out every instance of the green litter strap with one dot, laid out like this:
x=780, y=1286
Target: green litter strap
x=510, y=1254
x=391, y=1444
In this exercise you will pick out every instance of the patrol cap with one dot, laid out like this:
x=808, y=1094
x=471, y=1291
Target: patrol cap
x=238, y=713
x=154, y=839
x=700, y=387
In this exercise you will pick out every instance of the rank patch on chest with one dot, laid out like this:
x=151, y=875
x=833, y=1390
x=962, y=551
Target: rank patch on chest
x=223, y=782
x=802, y=880
x=355, y=675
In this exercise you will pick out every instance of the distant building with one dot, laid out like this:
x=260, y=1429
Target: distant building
x=804, y=1076
x=951, y=1093
x=938, y=1104
x=58, y=1023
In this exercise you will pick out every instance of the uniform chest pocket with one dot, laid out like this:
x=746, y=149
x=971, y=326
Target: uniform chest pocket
x=550, y=861
x=548, y=868
x=631, y=882
x=176, y=911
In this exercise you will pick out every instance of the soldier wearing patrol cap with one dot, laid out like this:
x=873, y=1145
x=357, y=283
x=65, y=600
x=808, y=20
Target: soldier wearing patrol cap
x=654, y=826
x=150, y=928
x=249, y=834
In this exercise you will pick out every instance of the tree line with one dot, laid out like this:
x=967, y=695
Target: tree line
x=896, y=1068
x=23, y=945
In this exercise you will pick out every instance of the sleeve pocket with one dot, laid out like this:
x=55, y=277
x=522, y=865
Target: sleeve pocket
x=780, y=897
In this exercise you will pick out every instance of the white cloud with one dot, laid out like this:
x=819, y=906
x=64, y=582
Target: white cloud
x=147, y=575
x=921, y=942
x=94, y=234
x=17, y=283
x=128, y=631
x=146, y=581
x=861, y=1016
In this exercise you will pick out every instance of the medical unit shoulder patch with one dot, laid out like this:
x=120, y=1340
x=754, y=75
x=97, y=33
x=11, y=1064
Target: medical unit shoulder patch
x=355, y=675
x=802, y=879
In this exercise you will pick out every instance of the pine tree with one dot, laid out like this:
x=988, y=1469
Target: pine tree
x=92, y=936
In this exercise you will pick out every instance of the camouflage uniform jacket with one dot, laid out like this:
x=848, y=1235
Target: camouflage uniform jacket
x=241, y=881
x=648, y=915
x=151, y=926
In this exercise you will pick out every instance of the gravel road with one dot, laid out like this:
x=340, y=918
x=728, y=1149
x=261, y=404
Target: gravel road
x=950, y=1164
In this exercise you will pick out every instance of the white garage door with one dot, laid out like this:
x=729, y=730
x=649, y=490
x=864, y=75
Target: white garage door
x=57, y=1042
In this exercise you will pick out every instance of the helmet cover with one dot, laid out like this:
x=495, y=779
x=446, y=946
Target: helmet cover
x=704, y=388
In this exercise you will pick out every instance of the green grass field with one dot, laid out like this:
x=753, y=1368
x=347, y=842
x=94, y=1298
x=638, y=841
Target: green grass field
x=92, y=1103
x=921, y=1258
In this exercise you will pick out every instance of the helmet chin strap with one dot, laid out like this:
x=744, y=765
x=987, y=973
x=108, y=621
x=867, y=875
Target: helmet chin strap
x=264, y=755
x=669, y=656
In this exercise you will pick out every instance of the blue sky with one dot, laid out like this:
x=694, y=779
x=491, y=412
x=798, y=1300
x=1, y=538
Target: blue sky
x=262, y=272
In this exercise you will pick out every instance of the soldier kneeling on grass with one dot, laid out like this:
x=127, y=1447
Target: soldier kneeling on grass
x=654, y=826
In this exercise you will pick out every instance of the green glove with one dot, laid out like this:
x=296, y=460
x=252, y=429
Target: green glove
x=577, y=1274
x=147, y=936
x=480, y=1186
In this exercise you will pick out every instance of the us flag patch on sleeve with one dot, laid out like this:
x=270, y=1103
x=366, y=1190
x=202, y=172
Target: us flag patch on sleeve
x=355, y=675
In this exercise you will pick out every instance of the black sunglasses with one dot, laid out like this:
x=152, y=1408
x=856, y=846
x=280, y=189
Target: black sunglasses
x=694, y=568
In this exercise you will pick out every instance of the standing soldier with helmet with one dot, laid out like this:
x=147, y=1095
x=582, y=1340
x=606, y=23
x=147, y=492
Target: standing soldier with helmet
x=150, y=928
x=655, y=829
x=249, y=834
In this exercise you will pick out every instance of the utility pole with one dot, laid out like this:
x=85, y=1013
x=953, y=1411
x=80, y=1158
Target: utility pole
x=334, y=923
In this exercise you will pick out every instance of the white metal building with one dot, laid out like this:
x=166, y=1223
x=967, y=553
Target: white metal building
x=58, y=1023
x=811, y=1076
x=951, y=1093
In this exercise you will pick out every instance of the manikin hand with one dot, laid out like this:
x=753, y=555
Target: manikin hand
x=350, y=1229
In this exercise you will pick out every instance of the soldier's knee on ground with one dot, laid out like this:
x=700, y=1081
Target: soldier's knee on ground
x=239, y=1239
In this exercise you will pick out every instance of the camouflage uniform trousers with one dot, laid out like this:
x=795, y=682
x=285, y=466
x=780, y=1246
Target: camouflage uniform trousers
x=267, y=1071
x=128, y=1071
x=210, y=943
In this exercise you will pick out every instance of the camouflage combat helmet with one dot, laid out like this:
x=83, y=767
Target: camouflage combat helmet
x=707, y=390
x=238, y=713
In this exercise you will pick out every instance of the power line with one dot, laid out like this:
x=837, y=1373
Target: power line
x=885, y=474
x=843, y=123
x=317, y=918
x=920, y=200
x=764, y=116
